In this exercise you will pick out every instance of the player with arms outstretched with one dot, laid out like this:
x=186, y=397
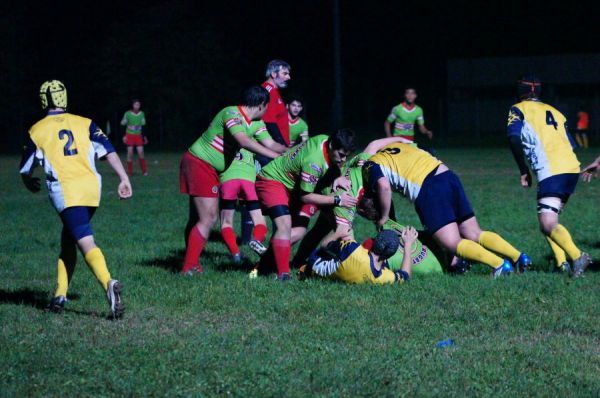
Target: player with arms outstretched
x=66, y=145
x=298, y=127
x=210, y=155
x=134, y=120
x=404, y=116
x=441, y=204
x=539, y=133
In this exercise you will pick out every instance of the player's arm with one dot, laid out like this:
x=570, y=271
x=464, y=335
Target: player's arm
x=343, y=200
x=124, y=120
x=341, y=233
x=375, y=146
x=28, y=164
x=514, y=126
x=591, y=170
x=387, y=125
x=273, y=145
x=409, y=236
x=103, y=148
x=384, y=194
x=253, y=146
x=143, y=122
x=424, y=130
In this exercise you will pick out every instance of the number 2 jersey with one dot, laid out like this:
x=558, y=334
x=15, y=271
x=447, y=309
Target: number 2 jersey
x=66, y=146
x=543, y=131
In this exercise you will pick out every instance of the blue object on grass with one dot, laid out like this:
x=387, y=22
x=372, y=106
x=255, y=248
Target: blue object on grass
x=445, y=343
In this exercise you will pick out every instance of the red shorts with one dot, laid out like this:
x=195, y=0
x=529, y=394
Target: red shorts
x=134, y=140
x=197, y=177
x=238, y=189
x=273, y=193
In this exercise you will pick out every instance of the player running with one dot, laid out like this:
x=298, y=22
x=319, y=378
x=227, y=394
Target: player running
x=440, y=202
x=298, y=127
x=347, y=261
x=135, y=119
x=539, y=132
x=208, y=156
x=287, y=184
x=404, y=116
x=66, y=145
x=237, y=183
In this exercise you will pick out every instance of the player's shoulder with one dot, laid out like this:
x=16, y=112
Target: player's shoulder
x=302, y=122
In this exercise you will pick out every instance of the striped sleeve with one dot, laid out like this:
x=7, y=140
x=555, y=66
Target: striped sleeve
x=515, y=122
x=100, y=141
x=28, y=158
x=392, y=116
x=308, y=180
x=234, y=125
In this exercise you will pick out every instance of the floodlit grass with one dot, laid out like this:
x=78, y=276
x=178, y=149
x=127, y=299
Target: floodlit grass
x=223, y=334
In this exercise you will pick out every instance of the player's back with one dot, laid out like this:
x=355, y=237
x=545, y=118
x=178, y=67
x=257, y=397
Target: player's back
x=545, y=137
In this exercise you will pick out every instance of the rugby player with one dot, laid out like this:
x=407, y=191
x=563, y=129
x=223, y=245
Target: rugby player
x=210, y=155
x=66, y=145
x=298, y=127
x=441, y=204
x=404, y=116
x=286, y=187
x=539, y=133
x=135, y=119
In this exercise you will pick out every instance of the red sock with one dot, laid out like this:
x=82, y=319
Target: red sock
x=130, y=167
x=259, y=232
x=143, y=166
x=194, y=248
x=230, y=240
x=281, y=250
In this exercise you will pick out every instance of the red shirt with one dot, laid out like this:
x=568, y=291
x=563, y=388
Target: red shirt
x=584, y=121
x=277, y=112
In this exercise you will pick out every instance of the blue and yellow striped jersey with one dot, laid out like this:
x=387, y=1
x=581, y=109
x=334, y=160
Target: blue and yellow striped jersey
x=405, y=166
x=66, y=146
x=547, y=144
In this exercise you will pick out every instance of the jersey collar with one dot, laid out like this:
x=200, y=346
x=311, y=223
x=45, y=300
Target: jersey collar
x=52, y=113
x=325, y=153
x=408, y=107
x=248, y=121
x=375, y=271
x=293, y=121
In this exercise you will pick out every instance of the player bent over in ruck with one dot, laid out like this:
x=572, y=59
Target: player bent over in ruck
x=440, y=202
x=539, y=132
x=66, y=145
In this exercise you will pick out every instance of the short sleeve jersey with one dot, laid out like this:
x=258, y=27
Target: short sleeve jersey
x=300, y=167
x=298, y=131
x=404, y=117
x=66, y=146
x=242, y=167
x=134, y=122
x=216, y=145
x=405, y=166
x=547, y=144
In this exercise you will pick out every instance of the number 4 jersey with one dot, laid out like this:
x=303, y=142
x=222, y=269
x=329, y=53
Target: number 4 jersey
x=66, y=146
x=547, y=144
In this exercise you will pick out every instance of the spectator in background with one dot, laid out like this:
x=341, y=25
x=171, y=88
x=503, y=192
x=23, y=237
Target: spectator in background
x=135, y=119
x=583, y=124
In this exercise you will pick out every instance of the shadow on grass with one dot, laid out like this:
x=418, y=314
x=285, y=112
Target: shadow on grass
x=34, y=298
x=174, y=261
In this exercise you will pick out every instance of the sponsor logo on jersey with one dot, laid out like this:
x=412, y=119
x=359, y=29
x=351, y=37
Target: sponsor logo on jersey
x=316, y=168
x=421, y=256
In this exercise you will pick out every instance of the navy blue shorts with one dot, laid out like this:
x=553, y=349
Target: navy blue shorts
x=76, y=221
x=441, y=201
x=559, y=186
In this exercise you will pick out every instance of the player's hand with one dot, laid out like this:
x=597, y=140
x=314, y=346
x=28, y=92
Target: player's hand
x=526, y=180
x=342, y=182
x=348, y=201
x=31, y=183
x=125, y=139
x=589, y=173
x=146, y=140
x=344, y=233
x=124, y=189
x=409, y=236
x=429, y=134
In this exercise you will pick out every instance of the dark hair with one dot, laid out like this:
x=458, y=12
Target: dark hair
x=255, y=96
x=367, y=208
x=410, y=88
x=343, y=139
x=385, y=244
x=529, y=86
x=294, y=97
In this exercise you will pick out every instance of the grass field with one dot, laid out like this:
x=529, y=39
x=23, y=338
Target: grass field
x=221, y=334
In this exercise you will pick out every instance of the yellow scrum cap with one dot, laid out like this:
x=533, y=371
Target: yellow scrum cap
x=53, y=93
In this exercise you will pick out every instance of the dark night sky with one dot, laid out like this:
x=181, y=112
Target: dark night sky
x=385, y=46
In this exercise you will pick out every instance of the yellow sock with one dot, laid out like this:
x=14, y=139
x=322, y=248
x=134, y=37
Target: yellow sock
x=578, y=139
x=559, y=254
x=562, y=238
x=95, y=260
x=585, y=141
x=470, y=250
x=65, y=269
x=494, y=242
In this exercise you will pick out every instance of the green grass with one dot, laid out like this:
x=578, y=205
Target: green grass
x=222, y=334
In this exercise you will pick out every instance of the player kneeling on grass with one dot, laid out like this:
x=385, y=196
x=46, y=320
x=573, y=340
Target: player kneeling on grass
x=210, y=155
x=290, y=181
x=66, y=146
x=349, y=262
x=440, y=202
x=237, y=182
x=538, y=132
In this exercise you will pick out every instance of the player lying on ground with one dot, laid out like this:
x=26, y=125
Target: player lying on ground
x=441, y=204
x=288, y=183
x=237, y=183
x=298, y=127
x=210, y=155
x=539, y=132
x=66, y=145
x=135, y=119
x=343, y=259
x=591, y=170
